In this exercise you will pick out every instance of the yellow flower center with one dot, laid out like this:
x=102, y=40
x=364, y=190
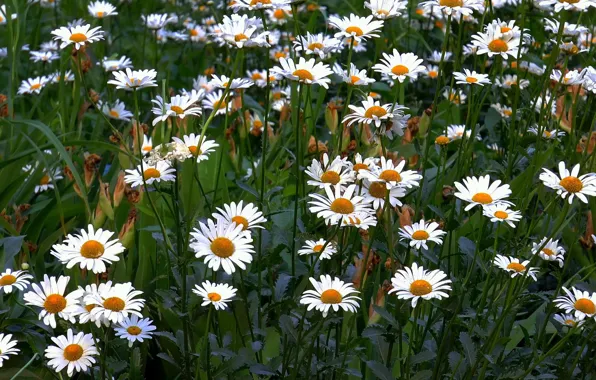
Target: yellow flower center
x=442, y=140
x=505, y=29
x=35, y=86
x=342, y=206
x=7, y=279
x=114, y=304
x=257, y=124
x=240, y=37
x=54, y=303
x=331, y=296
x=114, y=114
x=222, y=247
x=569, y=1
x=100, y=14
x=214, y=297
x=377, y=111
x=262, y=2
x=471, y=80
x=354, y=79
x=516, y=267
x=134, y=330
x=420, y=11
x=507, y=113
x=420, y=287
x=482, y=198
x=433, y=74
x=78, y=37
x=303, y=74
x=585, y=306
x=378, y=190
x=256, y=76
x=195, y=150
x=570, y=322
x=420, y=235
x=315, y=45
x=382, y=12
x=151, y=173
x=318, y=248
x=390, y=175
x=73, y=352
x=572, y=184
x=358, y=167
x=240, y=220
x=177, y=109
x=400, y=70
x=501, y=214
x=44, y=180
x=330, y=177
x=451, y=3
x=92, y=249
x=90, y=307
x=498, y=46
x=354, y=30
x=279, y=54
x=279, y=14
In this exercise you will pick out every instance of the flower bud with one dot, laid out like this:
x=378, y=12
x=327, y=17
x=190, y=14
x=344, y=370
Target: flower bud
x=120, y=189
x=127, y=232
x=24, y=266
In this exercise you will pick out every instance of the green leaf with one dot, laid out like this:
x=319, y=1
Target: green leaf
x=379, y=370
x=469, y=347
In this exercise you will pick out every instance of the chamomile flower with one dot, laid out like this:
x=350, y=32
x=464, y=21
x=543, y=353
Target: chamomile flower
x=259, y=4
x=248, y=216
x=514, y=267
x=50, y=296
x=33, y=85
x=455, y=8
x=415, y=283
x=549, y=250
x=317, y=44
x=503, y=110
x=216, y=102
x=571, y=78
x=86, y=304
x=115, y=111
x=304, y=71
x=361, y=220
x=73, y=352
x=508, y=81
x=160, y=171
x=43, y=56
x=569, y=320
x=581, y=303
x=494, y=42
x=392, y=175
x=90, y=250
x=363, y=164
x=354, y=76
x=356, y=27
x=321, y=248
x=422, y=232
x=11, y=280
x=554, y=134
x=479, y=191
x=330, y=293
x=222, y=245
x=400, y=66
x=455, y=96
x=101, y=9
x=180, y=106
x=259, y=77
x=134, y=329
x=386, y=9
x=568, y=5
x=432, y=71
x=224, y=82
x=68, y=77
x=157, y=21
x=471, y=77
x=116, y=64
x=200, y=150
x=371, y=111
x=218, y=295
x=241, y=31
x=457, y=132
x=338, y=205
x=500, y=212
x=130, y=80
x=438, y=56
x=376, y=193
x=116, y=302
x=77, y=35
x=47, y=181
x=7, y=345
x=569, y=184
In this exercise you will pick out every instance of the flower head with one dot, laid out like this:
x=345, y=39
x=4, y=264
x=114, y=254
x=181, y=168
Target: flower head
x=415, y=282
x=330, y=294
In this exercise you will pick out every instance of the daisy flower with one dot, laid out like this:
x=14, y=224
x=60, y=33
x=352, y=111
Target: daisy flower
x=147, y=144
x=319, y=248
x=330, y=293
x=161, y=171
x=90, y=250
x=68, y=77
x=546, y=134
x=471, y=77
x=116, y=64
x=33, y=85
x=49, y=295
x=304, y=71
x=259, y=4
x=116, y=111
x=199, y=150
x=567, y=183
x=134, y=329
x=217, y=295
x=43, y=56
x=116, y=302
x=354, y=76
x=17, y=279
x=338, y=205
x=241, y=31
x=360, y=220
x=435, y=56
x=422, y=232
x=87, y=304
x=363, y=164
x=329, y=173
x=432, y=71
x=568, y=5
x=455, y=8
x=158, y=21
x=504, y=111
x=356, y=27
x=416, y=282
x=455, y=96
x=222, y=244
x=248, y=216
x=385, y=9
x=371, y=111
x=494, y=42
x=180, y=106
x=215, y=101
x=549, y=250
x=78, y=35
x=508, y=81
x=581, y=303
x=500, y=212
x=479, y=191
x=317, y=44
x=392, y=175
x=571, y=78
x=568, y=320
x=130, y=80
x=514, y=266
x=259, y=77
x=400, y=66
x=101, y=9
x=75, y=352
x=7, y=345
x=224, y=82
x=375, y=192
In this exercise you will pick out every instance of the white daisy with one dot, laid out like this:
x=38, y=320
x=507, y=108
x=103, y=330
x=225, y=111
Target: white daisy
x=422, y=232
x=471, y=77
x=571, y=78
x=391, y=174
x=371, y=111
x=101, y=9
x=87, y=304
x=115, y=111
x=503, y=110
x=78, y=35
x=217, y=295
x=10, y=280
x=416, y=282
x=356, y=27
x=215, y=101
x=549, y=250
x=569, y=5
x=317, y=44
x=43, y=56
x=500, y=212
x=581, y=303
x=327, y=173
x=494, y=42
x=116, y=64
x=400, y=66
x=354, y=77
x=147, y=145
x=248, y=216
x=319, y=248
x=338, y=205
x=514, y=266
x=455, y=96
x=258, y=4
x=130, y=80
x=330, y=293
x=304, y=71
x=479, y=191
x=180, y=106
x=7, y=347
x=115, y=303
x=222, y=244
x=455, y=8
x=259, y=77
x=33, y=85
x=385, y=9
x=241, y=31
x=432, y=71
x=509, y=81
x=161, y=171
x=75, y=352
x=569, y=184
x=360, y=220
x=134, y=329
x=199, y=150
x=49, y=295
x=157, y=21
x=68, y=76
x=546, y=134
x=376, y=193
x=569, y=320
